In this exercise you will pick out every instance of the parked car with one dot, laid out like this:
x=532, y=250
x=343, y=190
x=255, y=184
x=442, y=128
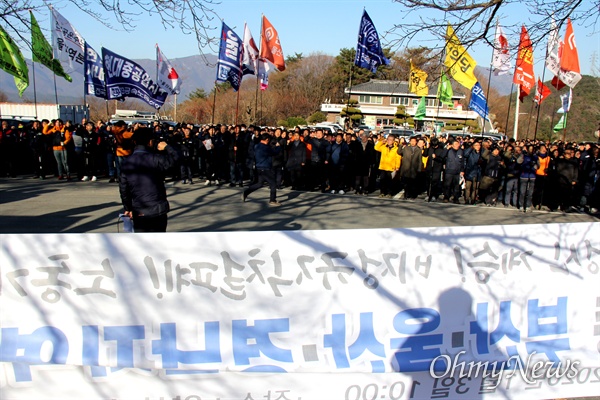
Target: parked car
x=326, y=128
x=399, y=132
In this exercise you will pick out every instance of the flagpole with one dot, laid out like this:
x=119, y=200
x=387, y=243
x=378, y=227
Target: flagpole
x=565, y=130
x=487, y=95
x=237, y=105
x=537, y=118
x=175, y=113
x=348, y=122
x=256, y=97
x=439, y=103
x=516, y=127
x=55, y=90
x=256, y=119
x=552, y=120
x=512, y=86
x=34, y=89
x=212, y=122
x=529, y=121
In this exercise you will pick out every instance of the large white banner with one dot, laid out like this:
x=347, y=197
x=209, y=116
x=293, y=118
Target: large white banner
x=490, y=312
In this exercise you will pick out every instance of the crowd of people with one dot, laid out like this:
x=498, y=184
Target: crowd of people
x=524, y=174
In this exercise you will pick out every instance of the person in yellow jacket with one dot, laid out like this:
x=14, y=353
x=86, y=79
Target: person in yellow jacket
x=60, y=136
x=389, y=164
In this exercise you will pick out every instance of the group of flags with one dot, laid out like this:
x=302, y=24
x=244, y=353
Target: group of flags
x=111, y=76
x=239, y=57
x=108, y=76
x=561, y=59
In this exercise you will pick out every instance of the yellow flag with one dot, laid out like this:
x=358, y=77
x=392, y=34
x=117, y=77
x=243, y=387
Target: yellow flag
x=460, y=64
x=416, y=83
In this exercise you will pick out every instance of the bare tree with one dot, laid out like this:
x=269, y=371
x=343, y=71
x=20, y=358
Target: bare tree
x=193, y=17
x=474, y=20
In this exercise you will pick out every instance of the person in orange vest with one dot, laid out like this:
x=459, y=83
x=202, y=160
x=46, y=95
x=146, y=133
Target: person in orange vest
x=61, y=137
x=125, y=145
x=541, y=176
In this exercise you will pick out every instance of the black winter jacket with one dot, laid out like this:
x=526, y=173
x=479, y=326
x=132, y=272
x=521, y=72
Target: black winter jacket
x=142, y=182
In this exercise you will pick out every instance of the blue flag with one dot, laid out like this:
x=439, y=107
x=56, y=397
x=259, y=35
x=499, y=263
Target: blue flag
x=229, y=66
x=478, y=101
x=126, y=78
x=369, y=53
x=94, y=73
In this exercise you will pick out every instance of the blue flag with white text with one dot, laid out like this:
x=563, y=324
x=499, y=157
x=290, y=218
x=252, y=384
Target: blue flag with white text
x=229, y=66
x=126, y=78
x=369, y=53
x=478, y=101
x=94, y=73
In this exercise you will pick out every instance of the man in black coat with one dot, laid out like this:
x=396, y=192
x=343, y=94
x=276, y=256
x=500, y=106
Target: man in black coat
x=142, y=182
x=296, y=160
x=362, y=157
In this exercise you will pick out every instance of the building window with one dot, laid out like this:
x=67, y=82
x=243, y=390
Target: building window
x=431, y=102
x=370, y=99
x=399, y=101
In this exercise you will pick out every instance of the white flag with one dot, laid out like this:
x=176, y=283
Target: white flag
x=566, y=100
x=569, y=78
x=67, y=44
x=501, y=56
x=250, y=58
x=552, y=60
x=167, y=77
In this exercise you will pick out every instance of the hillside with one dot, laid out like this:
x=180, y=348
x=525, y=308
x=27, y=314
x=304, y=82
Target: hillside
x=583, y=118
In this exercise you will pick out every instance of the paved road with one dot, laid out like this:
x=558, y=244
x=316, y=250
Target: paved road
x=33, y=206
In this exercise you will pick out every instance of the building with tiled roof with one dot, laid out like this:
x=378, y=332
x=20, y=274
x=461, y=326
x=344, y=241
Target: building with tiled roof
x=378, y=101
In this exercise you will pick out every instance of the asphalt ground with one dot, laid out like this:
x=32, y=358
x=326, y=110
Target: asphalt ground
x=29, y=205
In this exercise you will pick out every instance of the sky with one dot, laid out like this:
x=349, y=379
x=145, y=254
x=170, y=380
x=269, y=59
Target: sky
x=304, y=26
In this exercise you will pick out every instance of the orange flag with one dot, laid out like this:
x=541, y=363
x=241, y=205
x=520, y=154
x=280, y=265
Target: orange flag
x=569, y=60
x=270, y=48
x=524, y=74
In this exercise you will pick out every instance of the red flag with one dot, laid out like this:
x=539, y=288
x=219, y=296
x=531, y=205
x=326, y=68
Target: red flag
x=541, y=92
x=522, y=93
x=569, y=60
x=524, y=75
x=557, y=83
x=270, y=48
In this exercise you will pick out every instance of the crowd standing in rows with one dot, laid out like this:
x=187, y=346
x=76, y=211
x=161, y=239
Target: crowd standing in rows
x=464, y=170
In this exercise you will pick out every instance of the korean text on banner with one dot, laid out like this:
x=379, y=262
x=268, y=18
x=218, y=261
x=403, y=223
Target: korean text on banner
x=459, y=63
x=126, y=78
x=315, y=314
x=369, y=53
x=42, y=51
x=68, y=45
x=478, y=101
x=95, y=84
x=524, y=74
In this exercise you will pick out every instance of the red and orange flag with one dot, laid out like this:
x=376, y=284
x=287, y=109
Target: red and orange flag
x=524, y=75
x=270, y=47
